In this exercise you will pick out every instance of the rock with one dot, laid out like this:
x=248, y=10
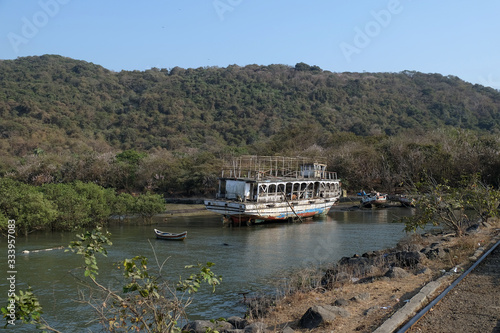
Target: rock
x=361, y=297
x=424, y=270
x=339, y=311
x=369, y=279
x=223, y=326
x=237, y=322
x=342, y=277
x=333, y=275
x=396, y=273
x=198, y=326
x=435, y=252
x=255, y=328
x=201, y=326
x=369, y=254
x=414, y=248
x=473, y=228
x=370, y=310
x=287, y=330
x=485, y=224
x=316, y=316
x=341, y=302
x=405, y=258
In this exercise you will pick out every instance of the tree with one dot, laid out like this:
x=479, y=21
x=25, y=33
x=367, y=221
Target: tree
x=147, y=205
x=74, y=210
x=442, y=204
x=24, y=204
x=99, y=199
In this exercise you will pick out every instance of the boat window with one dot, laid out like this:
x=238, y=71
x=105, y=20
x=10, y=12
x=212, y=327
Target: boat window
x=262, y=190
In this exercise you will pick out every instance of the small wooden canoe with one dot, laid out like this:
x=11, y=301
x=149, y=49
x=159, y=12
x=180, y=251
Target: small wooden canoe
x=170, y=236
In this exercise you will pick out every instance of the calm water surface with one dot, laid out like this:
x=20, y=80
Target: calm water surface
x=248, y=258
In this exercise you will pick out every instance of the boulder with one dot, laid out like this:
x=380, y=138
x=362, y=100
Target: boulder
x=361, y=297
x=255, y=328
x=473, y=228
x=223, y=326
x=339, y=311
x=237, y=322
x=341, y=302
x=405, y=258
x=435, y=252
x=201, y=326
x=396, y=273
x=424, y=270
x=316, y=316
x=198, y=326
x=334, y=275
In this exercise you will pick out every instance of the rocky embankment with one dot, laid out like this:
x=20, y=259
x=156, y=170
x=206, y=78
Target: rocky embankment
x=358, y=293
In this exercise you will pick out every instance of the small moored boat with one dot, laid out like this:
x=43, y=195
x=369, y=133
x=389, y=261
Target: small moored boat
x=374, y=199
x=170, y=236
x=406, y=201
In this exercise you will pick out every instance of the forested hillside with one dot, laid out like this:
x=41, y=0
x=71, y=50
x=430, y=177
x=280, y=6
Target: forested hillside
x=64, y=119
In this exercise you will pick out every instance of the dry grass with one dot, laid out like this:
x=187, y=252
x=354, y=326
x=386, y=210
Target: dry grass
x=386, y=295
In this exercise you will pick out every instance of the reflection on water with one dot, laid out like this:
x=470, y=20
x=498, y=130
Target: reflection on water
x=248, y=258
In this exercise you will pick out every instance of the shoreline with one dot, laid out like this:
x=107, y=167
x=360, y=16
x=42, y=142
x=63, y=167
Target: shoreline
x=366, y=292
x=374, y=297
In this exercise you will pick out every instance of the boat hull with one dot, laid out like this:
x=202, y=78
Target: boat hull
x=261, y=212
x=169, y=236
x=374, y=200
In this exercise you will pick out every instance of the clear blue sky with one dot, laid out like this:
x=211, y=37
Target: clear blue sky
x=451, y=37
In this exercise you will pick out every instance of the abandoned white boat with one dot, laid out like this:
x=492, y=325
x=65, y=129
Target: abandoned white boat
x=254, y=189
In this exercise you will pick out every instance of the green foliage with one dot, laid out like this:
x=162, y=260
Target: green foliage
x=27, y=308
x=194, y=281
x=59, y=104
x=99, y=199
x=88, y=244
x=148, y=302
x=450, y=207
x=148, y=205
x=130, y=156
x=23, y=203
x=69, y=206
x=123, y=204
x=73, y=209
x=70, y=120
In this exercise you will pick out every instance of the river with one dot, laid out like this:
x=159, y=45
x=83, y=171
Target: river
x=248, y=258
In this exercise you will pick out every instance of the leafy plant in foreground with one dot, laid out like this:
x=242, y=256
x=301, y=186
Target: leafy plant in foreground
x=147, y=301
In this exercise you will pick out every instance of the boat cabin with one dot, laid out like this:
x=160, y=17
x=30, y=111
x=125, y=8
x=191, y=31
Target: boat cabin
x=275, y=191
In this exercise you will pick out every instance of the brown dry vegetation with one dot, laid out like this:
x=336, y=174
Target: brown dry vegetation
x=385, y=295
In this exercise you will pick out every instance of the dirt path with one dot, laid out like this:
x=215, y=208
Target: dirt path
x=473, y=306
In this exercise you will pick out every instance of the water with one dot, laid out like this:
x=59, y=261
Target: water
x=248, y=258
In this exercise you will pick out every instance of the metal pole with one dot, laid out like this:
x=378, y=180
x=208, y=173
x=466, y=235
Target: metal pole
x=422, y=312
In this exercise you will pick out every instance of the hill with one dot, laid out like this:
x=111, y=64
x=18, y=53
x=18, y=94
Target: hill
x=60, y=99
x=61, y=106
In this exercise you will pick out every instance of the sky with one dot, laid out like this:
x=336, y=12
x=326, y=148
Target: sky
x=450, y=37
